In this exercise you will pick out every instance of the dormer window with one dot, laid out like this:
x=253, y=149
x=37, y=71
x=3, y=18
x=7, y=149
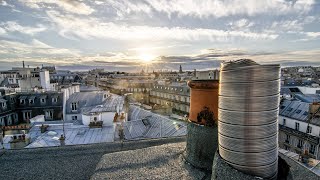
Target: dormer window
x=54, y=100
x=105, y=96
x=74, y=106
x=49, y=114
x=22, y=101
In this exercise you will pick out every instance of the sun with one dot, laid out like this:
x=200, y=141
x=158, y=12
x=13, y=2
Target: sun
x=147, y=58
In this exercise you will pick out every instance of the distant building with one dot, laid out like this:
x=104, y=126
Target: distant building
x=64, y=77
x=299, y=127
x=31, y=104
x=206, y=75
x=8, y=113
x=20, y=107
x=85, y=107
x=9, y=79
x=175, y=95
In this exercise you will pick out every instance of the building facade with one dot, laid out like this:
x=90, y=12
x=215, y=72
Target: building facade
x=176, y=95
x=20, y=107
x=299, y=128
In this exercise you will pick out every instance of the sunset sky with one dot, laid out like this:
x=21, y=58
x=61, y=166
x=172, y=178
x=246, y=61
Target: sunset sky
x=127, y=34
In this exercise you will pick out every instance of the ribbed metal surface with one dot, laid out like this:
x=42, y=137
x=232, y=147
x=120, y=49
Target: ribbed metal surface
x=249, y=103
x=248, y=116
x=267, y=88
x=261, y=158
x=249, y=145
x=256, y=73
x=248, y=132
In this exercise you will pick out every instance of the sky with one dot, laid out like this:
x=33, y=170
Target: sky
x=129, y=35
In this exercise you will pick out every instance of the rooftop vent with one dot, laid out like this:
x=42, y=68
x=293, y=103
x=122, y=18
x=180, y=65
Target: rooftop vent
x=247, y=114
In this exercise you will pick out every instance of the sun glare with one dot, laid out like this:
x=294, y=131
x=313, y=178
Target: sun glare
x=146, y=57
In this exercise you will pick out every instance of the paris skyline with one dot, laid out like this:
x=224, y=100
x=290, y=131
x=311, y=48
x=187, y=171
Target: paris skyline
x=124, y=35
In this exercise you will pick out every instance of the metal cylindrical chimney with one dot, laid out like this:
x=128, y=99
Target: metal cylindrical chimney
x=248, y=116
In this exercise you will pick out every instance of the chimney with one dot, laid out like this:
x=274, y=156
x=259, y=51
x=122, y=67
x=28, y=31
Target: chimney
x=23, y=64
x=248, y=113
x=202, y=138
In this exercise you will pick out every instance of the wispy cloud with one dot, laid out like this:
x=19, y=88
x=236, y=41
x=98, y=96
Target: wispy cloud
x=73, y=6
x=212, y=8
x=93, y=28
x=12, y=26
x=35, y=48
x=4, y=3
x=313, y=34
x=2, y=31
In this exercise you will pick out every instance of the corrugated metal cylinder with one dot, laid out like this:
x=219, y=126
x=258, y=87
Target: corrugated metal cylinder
x=248, y=116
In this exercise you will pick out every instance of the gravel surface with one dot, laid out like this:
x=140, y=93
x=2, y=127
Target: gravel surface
x=68, y=162
x=158, y=162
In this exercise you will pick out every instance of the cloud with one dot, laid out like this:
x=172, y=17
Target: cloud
x=2, y=31
x=12, y=26
x=88, y=28
x=287, y=25
x=213, y=8
x=313, y=34
x=206, y=59
x=4, y=3
x=242, y=24
x=72, y=6
x=35, y=48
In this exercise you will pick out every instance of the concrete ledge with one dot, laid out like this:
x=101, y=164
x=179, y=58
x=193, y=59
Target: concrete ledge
x=202, y=143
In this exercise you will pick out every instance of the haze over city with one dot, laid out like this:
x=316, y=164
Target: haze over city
x=126, y=35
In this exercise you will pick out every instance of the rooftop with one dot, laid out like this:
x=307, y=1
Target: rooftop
x=296, y=110
x=144, y=159
x=75, y=135
x=67, y=162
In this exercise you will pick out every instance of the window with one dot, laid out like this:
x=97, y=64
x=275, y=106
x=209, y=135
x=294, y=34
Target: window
x=287, y=148
x=22, y=101
x=305, y=113
x=27, y=115
x=2, y=121
x=284, y=122
x=290, y=109
x=13, y=100
x=31, y=101
x=74, y=118
x=49, y=114
x=104, y=96
x=297, y=126
x=309, y=130
x=312, y=148
x=95, y=118
x=300, y=143
x=288, y=139
x=74, y=106
x=3, y=105
x=42, y=100
x=54, y=100
x=298, y=111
